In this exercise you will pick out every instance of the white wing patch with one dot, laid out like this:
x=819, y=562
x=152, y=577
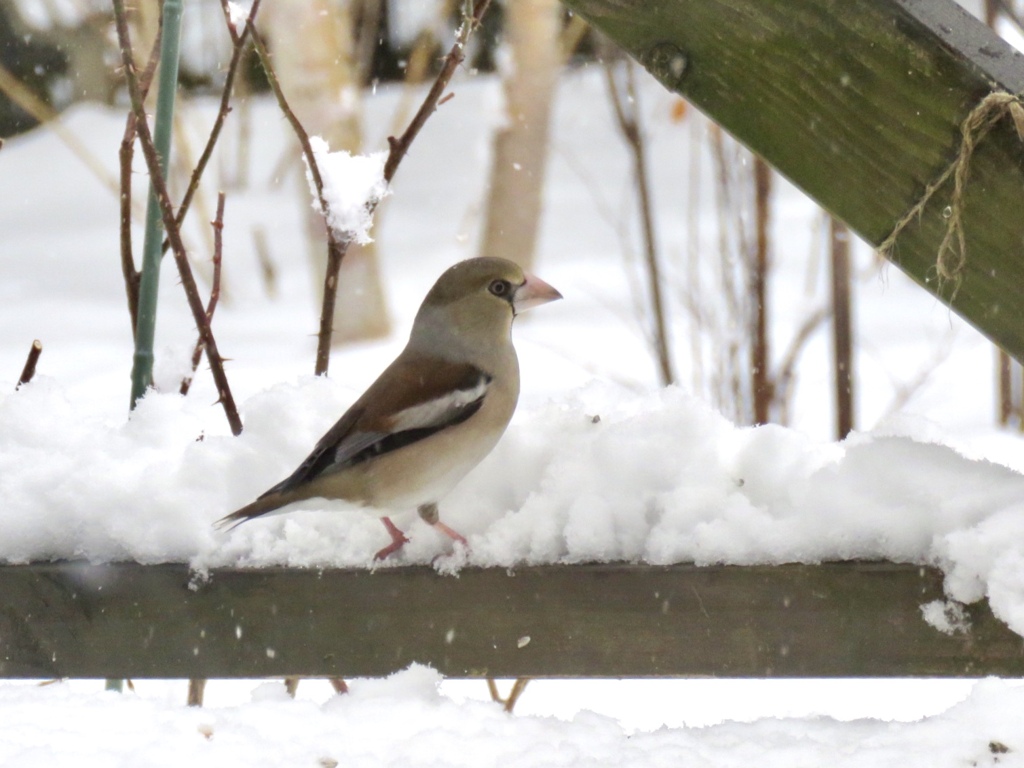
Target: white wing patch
x=439, y=411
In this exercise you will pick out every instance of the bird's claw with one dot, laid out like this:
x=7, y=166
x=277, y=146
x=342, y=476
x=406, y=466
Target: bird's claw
x=398, y=540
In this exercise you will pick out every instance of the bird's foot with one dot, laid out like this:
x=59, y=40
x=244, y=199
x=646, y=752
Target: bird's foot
x=398, y=540
x=451, y=533
x=452, y=562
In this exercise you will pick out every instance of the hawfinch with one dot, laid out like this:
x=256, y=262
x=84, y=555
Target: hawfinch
x=434, y=413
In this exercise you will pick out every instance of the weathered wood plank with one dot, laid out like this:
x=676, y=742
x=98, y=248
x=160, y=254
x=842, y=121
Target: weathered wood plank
x=859, y=103
x=847, y=619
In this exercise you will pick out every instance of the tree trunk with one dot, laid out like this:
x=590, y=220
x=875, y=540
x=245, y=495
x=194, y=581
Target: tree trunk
x=512, y=216
x=313, y=48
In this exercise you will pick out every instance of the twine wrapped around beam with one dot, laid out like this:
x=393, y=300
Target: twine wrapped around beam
x=952, y=253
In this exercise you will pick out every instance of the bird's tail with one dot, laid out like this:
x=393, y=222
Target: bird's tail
x=263, y=505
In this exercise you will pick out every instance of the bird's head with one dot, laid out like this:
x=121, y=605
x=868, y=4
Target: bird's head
x=478, y=299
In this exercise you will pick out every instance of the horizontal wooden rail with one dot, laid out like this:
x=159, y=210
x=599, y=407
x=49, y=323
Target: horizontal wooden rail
x=841, y=619
x=859, y=103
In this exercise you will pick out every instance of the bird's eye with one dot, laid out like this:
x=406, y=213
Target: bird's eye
x=500, y=287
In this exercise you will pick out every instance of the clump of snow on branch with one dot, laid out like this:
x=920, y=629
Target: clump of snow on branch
x=353, y=185
x=238, y=13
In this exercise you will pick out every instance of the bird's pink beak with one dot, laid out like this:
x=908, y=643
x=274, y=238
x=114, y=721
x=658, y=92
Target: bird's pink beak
x=532, y=293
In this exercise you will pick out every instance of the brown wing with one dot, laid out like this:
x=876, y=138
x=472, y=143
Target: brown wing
x=401, y=407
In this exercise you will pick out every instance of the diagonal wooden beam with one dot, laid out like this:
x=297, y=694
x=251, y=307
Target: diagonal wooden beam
x=612, y=620
x=859, y=103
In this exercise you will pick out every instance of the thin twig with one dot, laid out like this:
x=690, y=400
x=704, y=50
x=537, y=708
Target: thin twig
x=196, y=688
x=509, y=702
x=267, y=269
x=126, y=155
x=336, y=249
x=1010, y=13
x=238, y=41
x=761, y=384
x=211, y=305
x=171, y=226
x=30, y=364
x=293, y=120
x=630, y=128
x=787, y=369
x=842, y=326
x=225, y=8
x=26, y=99
x=398, y=147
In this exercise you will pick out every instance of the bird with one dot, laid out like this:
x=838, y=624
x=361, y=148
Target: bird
x=433, y=414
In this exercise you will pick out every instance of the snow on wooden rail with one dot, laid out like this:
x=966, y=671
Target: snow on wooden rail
x=611, y=620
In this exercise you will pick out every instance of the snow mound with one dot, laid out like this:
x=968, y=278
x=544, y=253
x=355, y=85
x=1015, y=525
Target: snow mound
x=597, y=475
x=405, y=721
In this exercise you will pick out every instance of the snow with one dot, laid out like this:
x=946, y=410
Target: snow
x=406, y=720
x=238, y=13
x=598, y=474
x=353, y=185
x=599, y=463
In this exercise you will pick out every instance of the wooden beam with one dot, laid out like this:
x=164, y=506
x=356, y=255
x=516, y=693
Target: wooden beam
x=859, y=103
x=847, y=619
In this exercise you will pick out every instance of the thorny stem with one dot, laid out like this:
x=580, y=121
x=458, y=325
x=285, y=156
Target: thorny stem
x=170, y=224
x=238, y=41
x=211, y=305
x=282, y=101
x=126, y=155
x=336, y=249
x=457, y=54
x=398, y=147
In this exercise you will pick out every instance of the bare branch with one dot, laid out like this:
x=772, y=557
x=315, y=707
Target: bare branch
x=300, y=132
x=630, y=127
x=26, y=99
x=196, y=687
x=30, y=364
x=455, y=57
x=336, y=249
x=126, y=154
x=904, y=391
x=171, y=225
x=787, y=369
x=508, y=702
x=226, y=10
x=211, y=305
x=239, y=41
x=761, y=384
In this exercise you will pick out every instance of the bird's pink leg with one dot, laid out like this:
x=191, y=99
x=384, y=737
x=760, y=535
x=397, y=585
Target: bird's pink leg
x=398, y=540
x=451, y=533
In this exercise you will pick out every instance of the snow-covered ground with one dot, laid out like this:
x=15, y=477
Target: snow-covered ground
x=660, y=476
x=405, y=721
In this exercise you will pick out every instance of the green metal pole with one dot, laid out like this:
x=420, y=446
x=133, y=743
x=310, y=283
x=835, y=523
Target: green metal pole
x=149, y=284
